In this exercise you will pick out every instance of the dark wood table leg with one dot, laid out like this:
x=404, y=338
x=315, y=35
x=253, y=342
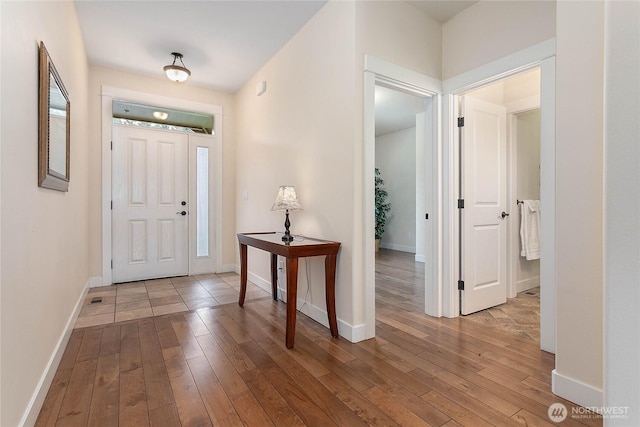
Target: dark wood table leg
x=292, y=300
x=243, y=274
x=330, y=291
x=274, y=276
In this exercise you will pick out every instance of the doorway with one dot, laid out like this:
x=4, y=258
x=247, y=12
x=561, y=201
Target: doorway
x=400, y=164
x=209, y=147
x=162, y=209
x=500, y=173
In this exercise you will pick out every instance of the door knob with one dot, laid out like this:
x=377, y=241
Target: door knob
x=183, y=213
x=504, y=215
x=183, y=203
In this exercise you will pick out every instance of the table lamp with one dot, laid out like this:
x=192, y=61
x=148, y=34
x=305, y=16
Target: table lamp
x=286, y=200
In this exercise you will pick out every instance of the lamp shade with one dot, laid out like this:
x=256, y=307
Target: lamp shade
x=286, y=199
x=175, y=72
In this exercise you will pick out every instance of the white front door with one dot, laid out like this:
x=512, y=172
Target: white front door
x=150, y=204
x=484, y=227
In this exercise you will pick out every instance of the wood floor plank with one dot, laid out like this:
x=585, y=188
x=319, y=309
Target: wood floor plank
x=164, y=416
x=370, y=413
x=231, y=348
x=149, y=342
x=157, y=385
x=294, y=395
x=74, y=410
x=320, y=395
x=188, y=341
x=53, y=402
x=246, y=405
x=399, y=413
x=110, y=342
x=274, y=404
x=90, y=346
x=133, y=408
x=189, y=404
x=105, y=399
x=219, y=407
x=166, y=335
x=70, y=353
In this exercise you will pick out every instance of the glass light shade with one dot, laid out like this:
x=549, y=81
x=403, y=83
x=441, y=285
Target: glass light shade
x=286, y=199
x=177, y=73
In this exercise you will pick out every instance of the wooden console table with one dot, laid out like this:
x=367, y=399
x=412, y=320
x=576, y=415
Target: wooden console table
x=272, y=242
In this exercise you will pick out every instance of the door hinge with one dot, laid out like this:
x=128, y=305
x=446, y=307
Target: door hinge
x=112, y=264
x=461, y=285
x=112, y=205
x=460, y=203
x=112, y=145
x=460, y=122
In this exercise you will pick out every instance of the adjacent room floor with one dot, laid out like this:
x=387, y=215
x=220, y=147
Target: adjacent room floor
x=227, y=365
x=400, y=285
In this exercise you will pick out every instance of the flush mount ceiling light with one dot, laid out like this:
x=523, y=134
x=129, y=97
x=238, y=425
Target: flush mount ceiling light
x=175, y=72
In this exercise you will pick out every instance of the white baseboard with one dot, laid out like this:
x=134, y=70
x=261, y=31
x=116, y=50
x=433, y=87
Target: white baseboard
x=576, y=391
x=345, y=330
x=35, y=404
x=395, y=247
x=420, y=258
x=525, y=285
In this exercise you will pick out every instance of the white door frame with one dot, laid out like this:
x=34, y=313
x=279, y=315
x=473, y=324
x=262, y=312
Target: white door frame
x=408, y=81
x=541, y=55
x=108, y=94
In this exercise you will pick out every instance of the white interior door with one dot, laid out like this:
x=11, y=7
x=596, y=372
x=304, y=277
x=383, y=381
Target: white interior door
x=150, y=204
x=484, y=227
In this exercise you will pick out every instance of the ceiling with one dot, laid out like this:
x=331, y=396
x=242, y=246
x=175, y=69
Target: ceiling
x=396, y=110
x=224, y=43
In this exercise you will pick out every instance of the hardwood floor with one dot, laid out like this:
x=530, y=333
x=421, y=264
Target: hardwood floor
x=229, y=366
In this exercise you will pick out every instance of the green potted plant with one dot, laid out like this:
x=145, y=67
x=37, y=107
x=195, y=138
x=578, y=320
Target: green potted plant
x=382, y=208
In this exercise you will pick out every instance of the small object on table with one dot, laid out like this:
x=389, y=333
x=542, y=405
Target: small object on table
x=271, y=242
x=286, y=200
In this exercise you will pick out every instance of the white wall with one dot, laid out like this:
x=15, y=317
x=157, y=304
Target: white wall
x=399, y=33
x=490, y=30
x=100, y=76
x=301, y=132
x=579, y=202
x=396, y=159
x=44, y=232
x=622, y=210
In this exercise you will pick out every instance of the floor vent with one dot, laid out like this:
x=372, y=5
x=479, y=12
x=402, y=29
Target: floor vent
x=96, y=300
x=531, y=293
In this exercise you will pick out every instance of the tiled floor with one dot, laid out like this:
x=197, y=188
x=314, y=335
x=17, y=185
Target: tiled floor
x=149, y=298
x=519, y=316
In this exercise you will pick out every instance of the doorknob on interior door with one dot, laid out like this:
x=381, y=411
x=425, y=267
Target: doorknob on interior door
x=183, y=213
x=504, y=215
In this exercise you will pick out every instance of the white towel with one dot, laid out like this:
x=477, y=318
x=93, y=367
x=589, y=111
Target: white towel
x=530, y=229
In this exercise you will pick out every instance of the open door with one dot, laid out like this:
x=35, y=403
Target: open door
x=484, y=193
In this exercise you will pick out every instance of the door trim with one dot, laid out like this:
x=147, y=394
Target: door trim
x=541, y=55
x=108, y=94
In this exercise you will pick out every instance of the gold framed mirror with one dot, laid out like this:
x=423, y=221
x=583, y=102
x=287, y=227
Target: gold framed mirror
x=53, y=127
